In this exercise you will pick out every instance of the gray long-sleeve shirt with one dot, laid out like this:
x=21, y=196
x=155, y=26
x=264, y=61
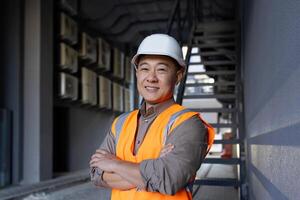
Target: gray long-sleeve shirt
x=173, y=171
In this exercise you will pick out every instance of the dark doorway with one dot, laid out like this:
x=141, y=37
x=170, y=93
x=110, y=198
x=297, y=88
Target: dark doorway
x=60, y=140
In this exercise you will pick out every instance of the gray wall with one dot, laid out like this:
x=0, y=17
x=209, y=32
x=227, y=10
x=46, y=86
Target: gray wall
x=87, y=129
x=271, y=64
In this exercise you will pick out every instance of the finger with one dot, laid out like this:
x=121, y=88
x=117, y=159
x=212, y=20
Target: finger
x=167, y=147
x=102, y=151
x=99, y=156
x=96, y=159
x=166, y=150
x=96, y=164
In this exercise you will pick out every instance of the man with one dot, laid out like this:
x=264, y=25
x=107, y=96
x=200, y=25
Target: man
x=154, y=152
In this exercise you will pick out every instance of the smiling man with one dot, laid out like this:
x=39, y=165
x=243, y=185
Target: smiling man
x=155, y=151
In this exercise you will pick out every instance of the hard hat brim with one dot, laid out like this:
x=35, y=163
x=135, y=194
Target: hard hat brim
x=134, y=60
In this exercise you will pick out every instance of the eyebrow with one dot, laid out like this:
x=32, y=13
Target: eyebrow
x=160, y=63
x=143, y=63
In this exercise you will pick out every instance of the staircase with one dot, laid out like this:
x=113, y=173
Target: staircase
x=212, y=86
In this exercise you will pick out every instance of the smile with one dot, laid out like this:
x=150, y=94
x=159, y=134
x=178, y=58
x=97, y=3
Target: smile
x=151, y=88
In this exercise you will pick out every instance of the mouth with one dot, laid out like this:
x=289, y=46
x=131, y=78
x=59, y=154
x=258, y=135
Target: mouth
x=151, y=88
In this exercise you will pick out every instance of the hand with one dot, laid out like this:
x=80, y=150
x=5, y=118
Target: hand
x=104, y=160
x=166, y=149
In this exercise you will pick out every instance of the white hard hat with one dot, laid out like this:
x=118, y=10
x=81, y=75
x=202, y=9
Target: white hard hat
x=160, y=44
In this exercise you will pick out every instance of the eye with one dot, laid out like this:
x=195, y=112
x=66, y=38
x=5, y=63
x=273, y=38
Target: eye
x=162, y=67
x=143, y=68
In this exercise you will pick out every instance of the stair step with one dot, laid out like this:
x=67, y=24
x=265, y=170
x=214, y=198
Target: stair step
x=227, y=141
x=217, y=26
x=223, y=125
x=207, y=96
x=217, y=62
x=225, y=161
x=218, y=182
x=219, y=110
x=216, y=53
x=212, y=45
x=231, y=72
x=209, y=37
x=223, y=83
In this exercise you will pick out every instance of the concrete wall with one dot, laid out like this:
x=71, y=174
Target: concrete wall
x=87, y=129
x=271, y=64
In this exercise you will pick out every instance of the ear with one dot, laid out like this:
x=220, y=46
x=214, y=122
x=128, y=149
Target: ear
x=136, y=71
x=179, y=75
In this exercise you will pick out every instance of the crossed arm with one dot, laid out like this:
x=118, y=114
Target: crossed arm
x=165, y=174
x=119, y=174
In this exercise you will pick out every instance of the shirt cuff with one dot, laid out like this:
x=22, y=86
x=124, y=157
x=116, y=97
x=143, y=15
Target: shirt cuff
x=96, y=175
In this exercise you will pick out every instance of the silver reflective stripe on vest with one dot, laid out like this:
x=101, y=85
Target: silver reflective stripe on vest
x=119, y=125
x=171, y=122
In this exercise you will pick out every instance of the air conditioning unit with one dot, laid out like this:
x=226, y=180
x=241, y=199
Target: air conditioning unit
x=104, y=93
x=70, y=6
x=104, y=55
x=68, y=29
x=88, y=50
x=118, y=65
x=68, y=86
x=128, y=70
x=89, y=86
x=117, y=97
x=68, y=58
x=127, y=100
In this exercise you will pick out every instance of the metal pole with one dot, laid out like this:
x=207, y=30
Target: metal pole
x=172, y=16
x=181, y=88
x=179, y=24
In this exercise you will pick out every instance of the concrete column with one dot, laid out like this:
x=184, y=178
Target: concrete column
x=38, y=105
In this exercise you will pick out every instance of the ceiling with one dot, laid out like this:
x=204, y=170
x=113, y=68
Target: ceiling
x=214, y=24
x=127, y=22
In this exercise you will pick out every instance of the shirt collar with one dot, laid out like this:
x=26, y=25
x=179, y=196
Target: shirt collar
x=155, y=109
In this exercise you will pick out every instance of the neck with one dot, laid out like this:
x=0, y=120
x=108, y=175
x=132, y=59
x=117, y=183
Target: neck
x=149, y=104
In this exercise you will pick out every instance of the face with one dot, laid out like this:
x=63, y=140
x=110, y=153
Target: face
x=156, y=78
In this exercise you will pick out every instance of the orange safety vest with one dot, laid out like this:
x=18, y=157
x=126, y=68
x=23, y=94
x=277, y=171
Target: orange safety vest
x=124, y=129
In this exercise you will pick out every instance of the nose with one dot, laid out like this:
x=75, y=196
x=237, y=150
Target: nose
x=151, y=77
